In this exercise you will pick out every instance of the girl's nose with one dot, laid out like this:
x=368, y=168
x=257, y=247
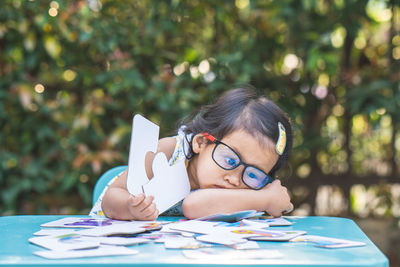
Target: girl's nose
x=233, y=177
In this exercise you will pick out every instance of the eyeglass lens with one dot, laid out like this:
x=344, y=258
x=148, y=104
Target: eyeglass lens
x=227, y=159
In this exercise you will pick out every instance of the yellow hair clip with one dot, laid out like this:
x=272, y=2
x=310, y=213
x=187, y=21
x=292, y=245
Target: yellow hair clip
x=281, y=143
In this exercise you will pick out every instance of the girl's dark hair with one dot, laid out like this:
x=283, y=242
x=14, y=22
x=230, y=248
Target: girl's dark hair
x=242, y=108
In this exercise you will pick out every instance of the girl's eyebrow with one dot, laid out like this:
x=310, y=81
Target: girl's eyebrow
x=234, y=149
x=241, y=158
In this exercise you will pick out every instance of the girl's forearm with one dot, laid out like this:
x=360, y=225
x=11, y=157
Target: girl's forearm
x=206, y=202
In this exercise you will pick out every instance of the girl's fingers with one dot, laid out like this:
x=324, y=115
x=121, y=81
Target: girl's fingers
x=152, y=216
x=145, y=203
x=143, y=207
x=150, y=210
x=289, y=209
x=136, y=200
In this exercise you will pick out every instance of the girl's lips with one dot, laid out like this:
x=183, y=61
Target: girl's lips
x=218, y=186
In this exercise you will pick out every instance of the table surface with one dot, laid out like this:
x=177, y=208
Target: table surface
x=15, y=250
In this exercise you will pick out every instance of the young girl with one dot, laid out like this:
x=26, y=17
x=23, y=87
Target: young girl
x=233, y=149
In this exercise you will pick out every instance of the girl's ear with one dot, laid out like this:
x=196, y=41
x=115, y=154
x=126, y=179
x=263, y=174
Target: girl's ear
x=198, y=143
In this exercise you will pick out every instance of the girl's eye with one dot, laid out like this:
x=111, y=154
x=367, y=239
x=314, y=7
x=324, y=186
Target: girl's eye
x=251, y=175
x=230, y=161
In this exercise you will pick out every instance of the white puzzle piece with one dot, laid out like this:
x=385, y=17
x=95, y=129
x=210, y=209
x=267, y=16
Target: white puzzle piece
x=81, y=222
x=169, y=185
x=117, y=241
x=64, y=242
x=52, y=232
x=130, y=227
x=327, y=242
x=193, y=226
x=144, y=138
x=222, y=239
x=97, y=252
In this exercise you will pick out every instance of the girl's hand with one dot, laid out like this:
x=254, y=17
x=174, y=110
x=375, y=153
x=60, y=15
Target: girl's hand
x=278, y=199
x=142, y=208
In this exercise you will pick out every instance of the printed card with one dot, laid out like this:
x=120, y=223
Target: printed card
x=118, y=241
x=231, y=217
x=244, y=223
x=78, y=222
x=275, y=235
x=63, y=242
x=247, y=232
x=167, y=237
x=157, y=237
x=127, y=228
x=233, y=232
x=193, y=226
x=246, y=245
x=273, y=221
x=237, y=232
x=46, y=232
x=167, y=229
x=327, y=242
x=223, y=239
x=97, y=252
x=184, y=243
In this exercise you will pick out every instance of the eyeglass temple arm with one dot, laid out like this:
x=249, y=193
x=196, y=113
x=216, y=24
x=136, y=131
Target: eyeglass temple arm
x=209, y=137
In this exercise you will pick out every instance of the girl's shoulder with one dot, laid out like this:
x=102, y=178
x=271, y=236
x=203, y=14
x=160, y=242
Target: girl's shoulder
x=167, y=146
x=181, y=143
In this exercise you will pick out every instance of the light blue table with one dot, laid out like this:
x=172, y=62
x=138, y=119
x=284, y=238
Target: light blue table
x=15, y=250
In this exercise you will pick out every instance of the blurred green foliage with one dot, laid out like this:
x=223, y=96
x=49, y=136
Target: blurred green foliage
x=72, y=74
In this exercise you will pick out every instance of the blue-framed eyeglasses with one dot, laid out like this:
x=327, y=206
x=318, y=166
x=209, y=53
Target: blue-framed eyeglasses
x=226, y=158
